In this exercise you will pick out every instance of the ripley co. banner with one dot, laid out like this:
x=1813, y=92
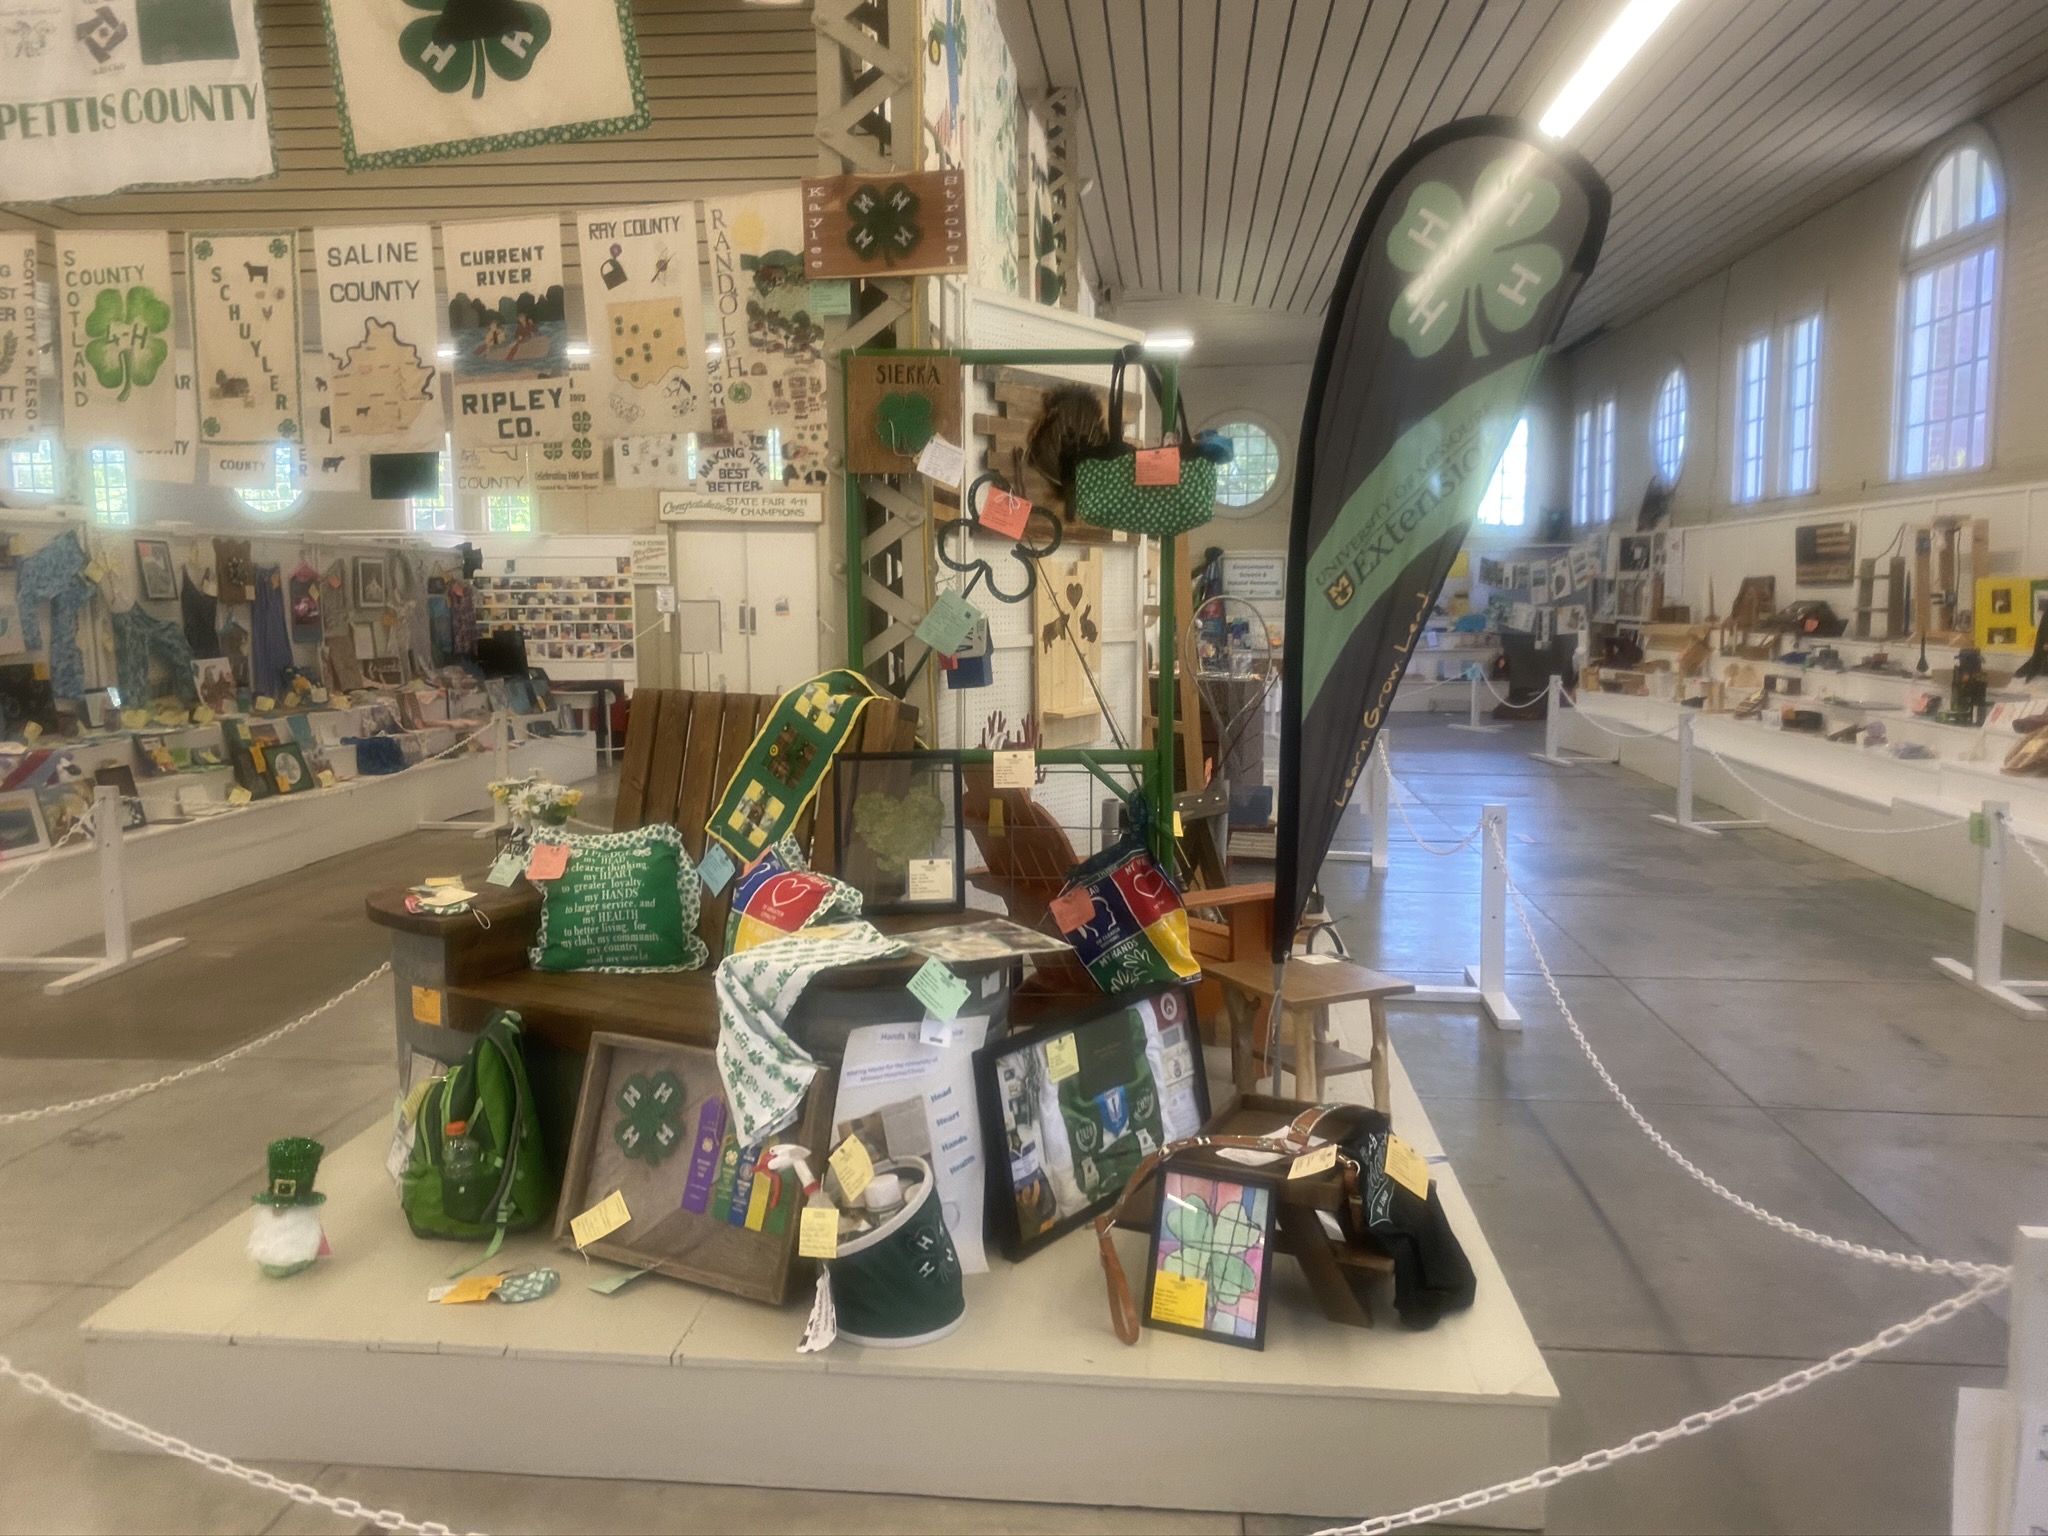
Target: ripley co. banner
x=97, y=95
x=1455, y=285
x=508, y=320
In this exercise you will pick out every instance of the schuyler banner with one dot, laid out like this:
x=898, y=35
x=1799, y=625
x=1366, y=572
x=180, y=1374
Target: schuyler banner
x=97, y=95
x=245, y=336
x=114, y=293
x=1456, y=283
x=380, y=328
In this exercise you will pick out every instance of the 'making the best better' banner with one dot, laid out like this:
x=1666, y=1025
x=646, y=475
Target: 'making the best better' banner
x=99, y=96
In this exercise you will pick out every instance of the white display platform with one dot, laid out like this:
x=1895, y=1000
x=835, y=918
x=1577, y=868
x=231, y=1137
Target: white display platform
x=1032, y=1399
x=171, y=864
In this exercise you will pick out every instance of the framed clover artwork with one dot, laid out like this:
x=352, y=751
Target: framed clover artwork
x=895, y=405
x=653, y=1128
x=901, y=840
x=892, y=224
x=1212, y=1254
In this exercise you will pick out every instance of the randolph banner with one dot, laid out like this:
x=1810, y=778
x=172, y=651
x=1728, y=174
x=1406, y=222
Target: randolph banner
x=98, y=97
x=771, y=369
x=1450, y=297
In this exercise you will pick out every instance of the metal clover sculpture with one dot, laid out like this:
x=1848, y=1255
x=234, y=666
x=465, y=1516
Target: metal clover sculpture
x=127, y=339
x=1473, y=260
x=650, y=1123
x=882, y=221
x=465, y=42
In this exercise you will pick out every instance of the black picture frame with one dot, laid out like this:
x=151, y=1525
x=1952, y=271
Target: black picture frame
x=158, y=572
x=1267, y=1226
x=1058, y=1200
x=859, y=778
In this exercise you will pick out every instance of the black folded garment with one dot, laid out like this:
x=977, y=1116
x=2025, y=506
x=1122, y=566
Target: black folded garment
x=1432, y=1276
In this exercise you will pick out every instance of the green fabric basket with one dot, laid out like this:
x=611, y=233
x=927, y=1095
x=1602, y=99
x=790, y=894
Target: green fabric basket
x=1106, y=489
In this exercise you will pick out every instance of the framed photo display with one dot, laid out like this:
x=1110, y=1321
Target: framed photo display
x=1212, y=1246
x=1069, y=1110
x=900, y=837
x=159, y=575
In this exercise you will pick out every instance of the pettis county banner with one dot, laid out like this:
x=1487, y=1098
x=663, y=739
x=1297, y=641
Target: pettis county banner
x=114, y=295
x=245, y=336
x=98, y=95
x=644, y=309
x=508, y=320
x=1453, y=290
x=21, y=397
x=380, y=326
x=419, y=80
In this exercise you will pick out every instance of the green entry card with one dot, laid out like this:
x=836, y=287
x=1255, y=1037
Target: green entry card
x=939, y=990
x=951, y=620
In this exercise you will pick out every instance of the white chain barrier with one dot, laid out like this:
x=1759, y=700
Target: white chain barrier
x=2025, y=845
x=78, y=829
x=1832, y=826
x=1401, y=810
x=1487, y=683
x=1629, y=734
x=123, y=1095
x=1691, y=1424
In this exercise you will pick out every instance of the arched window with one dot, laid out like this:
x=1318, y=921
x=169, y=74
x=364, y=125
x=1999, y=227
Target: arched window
x=277, y=499
x=1667, y=427
x=1254, y=468
x=107, y=473
x=1949, y=316
x=1505, y=503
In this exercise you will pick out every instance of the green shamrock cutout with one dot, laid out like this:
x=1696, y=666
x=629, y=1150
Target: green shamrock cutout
x=210, y=426
x=897, y=831
x=650, y=1123
x=278, y=248
x=127, y=340
x=580, y=423
x=1469, y=263
x=904, y=422
x=465, y=42
x=1213, y=1244
x=203, y=249
x=580, y=449
x=883, y=222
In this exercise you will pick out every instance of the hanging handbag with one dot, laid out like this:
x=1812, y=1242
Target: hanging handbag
x=1161, y=491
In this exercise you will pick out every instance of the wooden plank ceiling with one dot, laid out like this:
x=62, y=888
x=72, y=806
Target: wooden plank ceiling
x=1232, y=143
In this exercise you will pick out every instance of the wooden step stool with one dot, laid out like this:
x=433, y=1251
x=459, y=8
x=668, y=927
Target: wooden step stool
x=1314, y=983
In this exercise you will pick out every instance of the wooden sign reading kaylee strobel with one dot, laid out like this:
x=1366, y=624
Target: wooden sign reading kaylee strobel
x=894, y=406
x=891, y=225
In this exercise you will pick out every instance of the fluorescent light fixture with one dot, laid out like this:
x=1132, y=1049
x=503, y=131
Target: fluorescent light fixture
x=1169, y=341
x=1623, y=40
x=444, y=353
x=577, y=349
x=714, y=349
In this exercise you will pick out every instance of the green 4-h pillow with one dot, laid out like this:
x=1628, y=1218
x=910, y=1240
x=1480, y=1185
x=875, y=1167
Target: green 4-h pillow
x=626, y=902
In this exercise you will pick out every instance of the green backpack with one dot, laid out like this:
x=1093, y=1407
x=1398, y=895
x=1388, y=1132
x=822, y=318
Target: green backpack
x=476, y=1168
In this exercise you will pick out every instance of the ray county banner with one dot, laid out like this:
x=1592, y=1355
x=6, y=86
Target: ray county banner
x=98, y=95
x=1450, y=297
x=114, y=299
x=245, y=336
x=380, y=328
x=644, y=310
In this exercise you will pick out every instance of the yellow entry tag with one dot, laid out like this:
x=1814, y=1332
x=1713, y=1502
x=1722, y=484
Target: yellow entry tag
x=201, y=715
x=995, y=818
x=95, y=572
x=31, y=731
x=855, y=1168
x=473, y=1288
x=1062, y=1059
x=265, y=704
x=1179, y=1299
x=239, y=796
x=608, y=1215
x=1311, y=1163
x=435, y=882
x=1405, y=1166
x=426, y=1005
x=324, y=778
x=1178, y=829
x=817, y=1236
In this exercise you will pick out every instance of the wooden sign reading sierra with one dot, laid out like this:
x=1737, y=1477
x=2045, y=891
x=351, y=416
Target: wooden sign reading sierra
x=894, y=406
x=892, y=225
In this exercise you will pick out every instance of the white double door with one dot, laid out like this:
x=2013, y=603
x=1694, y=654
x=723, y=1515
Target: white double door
x=765, y=584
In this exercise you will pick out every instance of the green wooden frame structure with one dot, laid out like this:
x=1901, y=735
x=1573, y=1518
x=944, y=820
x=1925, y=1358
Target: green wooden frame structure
x=1155, y=766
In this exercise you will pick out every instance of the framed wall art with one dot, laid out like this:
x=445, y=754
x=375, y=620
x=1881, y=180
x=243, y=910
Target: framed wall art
x=1824, y=554
x=1068, y=1111
x=372, y=582
x=153, y=564
x=21, y=823
x=895, y=224
x=900, y=838
x=654, y=1129
x=1212, y=1247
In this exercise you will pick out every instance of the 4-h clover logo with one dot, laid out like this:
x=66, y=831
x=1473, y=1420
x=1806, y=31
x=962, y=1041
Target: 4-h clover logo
x=278, y=248
x=883, y=222
x=1475, y=260
x=1213, y=1245
x=127, y=339
x=650, y=1123
x=551, y=451
x=203, y=249
x=465, y=42
x=904, y=422
x=580, y=449
x=580, y=423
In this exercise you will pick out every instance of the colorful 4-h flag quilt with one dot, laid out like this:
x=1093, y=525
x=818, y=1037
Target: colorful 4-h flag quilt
x=424, y=80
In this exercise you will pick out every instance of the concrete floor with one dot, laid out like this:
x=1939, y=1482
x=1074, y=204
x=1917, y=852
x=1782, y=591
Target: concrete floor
x=1772, y=1009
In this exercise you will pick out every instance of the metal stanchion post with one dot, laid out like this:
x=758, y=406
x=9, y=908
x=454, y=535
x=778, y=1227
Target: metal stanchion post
x=1553, y=727
x=1475, y=683
x=1986, y=972
x=501, y=815
x=1685, y=820
x=1486, y=982
x=1381, y=790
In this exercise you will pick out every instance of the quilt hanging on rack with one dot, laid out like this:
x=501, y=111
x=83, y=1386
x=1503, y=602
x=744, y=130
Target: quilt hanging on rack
x=379, y=327
x=245, y=335
x=508, y=322
x=114, y=291
x=100, y=97
x=419, y=80
x=645, y=314
x=771, y=369
x=21, y=399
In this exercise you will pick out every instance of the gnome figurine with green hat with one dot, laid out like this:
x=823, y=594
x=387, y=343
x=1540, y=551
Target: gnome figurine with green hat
x=287, y=1236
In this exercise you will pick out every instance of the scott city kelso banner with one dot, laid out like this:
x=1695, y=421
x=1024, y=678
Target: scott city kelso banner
x=508, y=322
x=645, y=313
x=245, y=335
x=380, y=325
x=771, y=367
x=419, y=80
x=114, y=292
x=1456, y=282
x=21, y=396
x=95, y=97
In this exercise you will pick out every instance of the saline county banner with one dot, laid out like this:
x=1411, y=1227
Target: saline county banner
x=381, y=330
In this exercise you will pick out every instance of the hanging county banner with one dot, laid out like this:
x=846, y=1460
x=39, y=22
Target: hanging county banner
x=419, y=80
x=21, y=397
x=245, y=335
x=179, y=463
x=1455, y=285
x=97, y=95
x=114, y=292
x=645, y=313
x=771, y=368
x=509, y=323
x=380, y=326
